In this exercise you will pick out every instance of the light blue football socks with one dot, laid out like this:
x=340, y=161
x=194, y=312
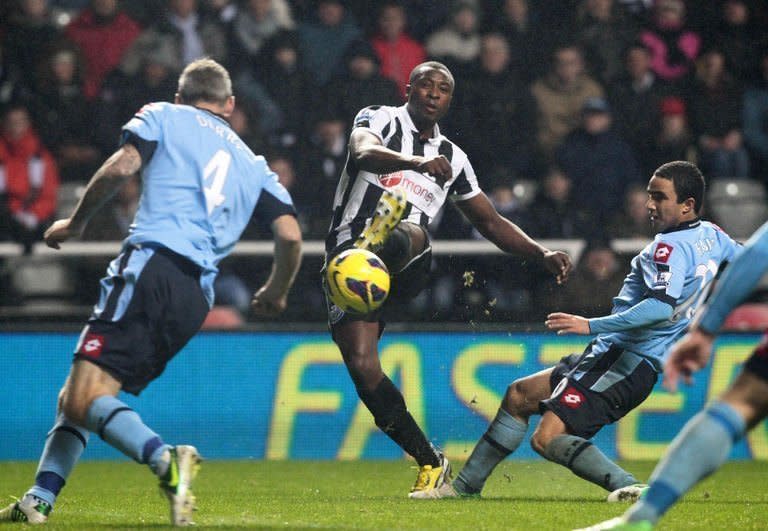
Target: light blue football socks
x=502, y=437
x=587, y=461
x=63, y=447
x=699, y=449
x=122, y=428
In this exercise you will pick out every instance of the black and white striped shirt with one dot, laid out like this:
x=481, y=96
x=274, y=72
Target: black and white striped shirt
x=359, y=191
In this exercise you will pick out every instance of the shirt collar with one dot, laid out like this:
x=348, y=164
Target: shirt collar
x=685, y=225
x=408, y=123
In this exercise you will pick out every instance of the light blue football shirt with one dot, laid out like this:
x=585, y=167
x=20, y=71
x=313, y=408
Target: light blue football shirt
x=738, y=281
x=673, y=268
x=200, y=185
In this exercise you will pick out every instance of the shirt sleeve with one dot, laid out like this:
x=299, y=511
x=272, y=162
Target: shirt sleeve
x=644, y=313
x=144, y=131
x=274, y=200
x=737, y=282
x=465, y=185
x=664, y=272
x=378, y=120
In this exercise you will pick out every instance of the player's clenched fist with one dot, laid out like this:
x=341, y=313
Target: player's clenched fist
x=60, y=231
x=438, y=167
x=559, y=264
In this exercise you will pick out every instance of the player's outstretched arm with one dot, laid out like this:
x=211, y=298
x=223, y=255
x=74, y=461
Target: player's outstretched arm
x=271, y=299
x=107, y=180
x=369, y=154
x=687, y=356
x=566, y=323
x=510, y=238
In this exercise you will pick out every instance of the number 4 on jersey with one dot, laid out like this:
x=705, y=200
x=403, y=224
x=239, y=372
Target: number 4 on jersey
x=216, y=171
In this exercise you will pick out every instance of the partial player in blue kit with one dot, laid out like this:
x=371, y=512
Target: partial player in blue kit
x=201, y=186
x=705, y=442
x=620, y=366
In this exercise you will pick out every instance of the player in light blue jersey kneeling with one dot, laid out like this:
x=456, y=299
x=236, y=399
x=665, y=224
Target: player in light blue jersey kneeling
x=705, y=442
x=620, y=366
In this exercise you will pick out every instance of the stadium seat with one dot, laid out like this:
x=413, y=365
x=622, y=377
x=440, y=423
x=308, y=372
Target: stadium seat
x=738, y=205
x=748, y=317
x=223, y=318
x=41, y=277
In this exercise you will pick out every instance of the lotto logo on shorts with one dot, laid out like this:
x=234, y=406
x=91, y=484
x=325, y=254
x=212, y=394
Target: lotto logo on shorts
x=92, y=345
x=572, y=398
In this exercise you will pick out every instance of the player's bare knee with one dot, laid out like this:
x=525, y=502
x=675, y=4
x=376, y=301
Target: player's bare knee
x=75, y=406
x=364, y=368
x=405, y=243
x=539, y=442
x=516, y=401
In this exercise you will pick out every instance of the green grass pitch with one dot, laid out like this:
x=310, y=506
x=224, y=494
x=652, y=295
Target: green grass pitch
x=526, y=495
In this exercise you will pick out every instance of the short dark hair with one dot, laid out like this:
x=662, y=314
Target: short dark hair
x=687, y=179
x=431, y=65
x=204, y=80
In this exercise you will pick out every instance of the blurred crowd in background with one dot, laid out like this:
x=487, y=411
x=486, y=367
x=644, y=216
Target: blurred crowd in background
x=565, y=107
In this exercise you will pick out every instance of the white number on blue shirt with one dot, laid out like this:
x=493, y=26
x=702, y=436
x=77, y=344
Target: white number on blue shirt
x=216, y=171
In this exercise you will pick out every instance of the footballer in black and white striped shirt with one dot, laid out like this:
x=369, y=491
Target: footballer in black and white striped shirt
x=402, y=148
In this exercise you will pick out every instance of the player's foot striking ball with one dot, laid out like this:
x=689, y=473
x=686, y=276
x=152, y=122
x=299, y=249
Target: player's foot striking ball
x=389, y=212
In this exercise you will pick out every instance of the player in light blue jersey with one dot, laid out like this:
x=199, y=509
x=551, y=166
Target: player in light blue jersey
x=705, y=442
x=620, y=366
x=201, y=185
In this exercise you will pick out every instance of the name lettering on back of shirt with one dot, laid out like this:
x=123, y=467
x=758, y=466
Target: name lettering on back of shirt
x=227, y=134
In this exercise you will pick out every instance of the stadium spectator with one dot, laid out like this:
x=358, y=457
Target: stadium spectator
x=360, y=83
x=560, y=96
x=554, y=213
x=404, y=171
x=324, y=39
x=673, y=140
x=12, y=86
x=224, y=11
x=30, y=37
x=425, y=17
x=163, y=277
x=518, y=21
x=604, y=32
x=277, y=90
x=112, y=221
x=30, y=179
x=322, y=162
x=457, y=43
x=398, y=52
x=632, y=220
x=716, y=118
x=243, y=122
x=638, y=9
x=103, y=34
x=596, y=279
x=620, y=366
x=181, y=28
x=598, y=161
x=65, y=118
x=123, y=94
x=737, y=37
x=255, y=22
x=706, y=441
x=674, y=46
x=496, y=115
x=755, y=111
x=635, y=99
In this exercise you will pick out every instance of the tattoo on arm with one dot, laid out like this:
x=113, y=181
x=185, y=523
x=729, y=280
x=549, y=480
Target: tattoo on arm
x=107, y=180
